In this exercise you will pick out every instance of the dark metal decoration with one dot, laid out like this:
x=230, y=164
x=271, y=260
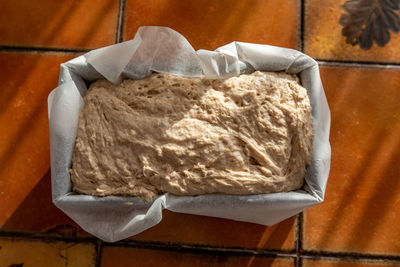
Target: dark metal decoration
x=366, y=21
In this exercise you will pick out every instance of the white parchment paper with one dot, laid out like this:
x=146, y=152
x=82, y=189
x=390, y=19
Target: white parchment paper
x=161, y=49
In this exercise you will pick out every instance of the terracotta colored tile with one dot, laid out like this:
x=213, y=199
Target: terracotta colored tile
x=25, y=191
x=210, y=24
x=71, y=24
x=360, y=212
x=18, y=252
x=337, y=263
x=324, y=40
x=192, y=229
x=118, y=256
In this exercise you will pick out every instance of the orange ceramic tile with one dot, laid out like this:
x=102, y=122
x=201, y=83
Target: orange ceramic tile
x=324, y=40
x=118, y=256
x=361, y=209
x=192, y=229
x=25, y=191
x=210, y=24
x=19, y=252
x=338, y=263
x=69, y=24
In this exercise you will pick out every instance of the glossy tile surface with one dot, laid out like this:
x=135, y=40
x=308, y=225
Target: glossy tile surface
x=179, y=228
x=147, y=257
x=360, y=216
x=27, y=253
x=360, y=212
x=210, y=24
x=25, y=193
x=65, y=24
x=323, y=36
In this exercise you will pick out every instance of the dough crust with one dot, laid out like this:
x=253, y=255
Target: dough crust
x=249, y=134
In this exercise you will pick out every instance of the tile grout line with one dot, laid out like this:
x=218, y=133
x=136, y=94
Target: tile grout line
x=299, y=238
x=301, y=24
x=144, y=244
x=314, y=254
x=192, y=248
x=299, y=262
x=120, y=24
x=45, y=237
x=358, y=64
x=299, y=233
x=158, y=244
x=352, y=260
x=333, y=63
x=204, y=249
x=310, y=254
x=99, y=252
x=33, y=49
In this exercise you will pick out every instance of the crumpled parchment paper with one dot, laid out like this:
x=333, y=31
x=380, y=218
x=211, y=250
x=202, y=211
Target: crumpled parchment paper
x=161, y=49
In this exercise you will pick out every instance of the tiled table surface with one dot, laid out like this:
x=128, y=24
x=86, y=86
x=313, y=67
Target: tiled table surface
x=357, y=225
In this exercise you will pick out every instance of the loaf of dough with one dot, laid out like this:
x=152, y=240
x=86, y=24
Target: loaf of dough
x=249, y=134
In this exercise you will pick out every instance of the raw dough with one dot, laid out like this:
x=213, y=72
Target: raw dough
x=249, y=134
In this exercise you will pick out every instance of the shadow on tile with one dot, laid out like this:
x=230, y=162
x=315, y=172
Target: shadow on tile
x=208, y=25
x=360, y=209
x=372, y=215
x=24, y=170
x=37, y=214
x=24, y=150
x=72, y=24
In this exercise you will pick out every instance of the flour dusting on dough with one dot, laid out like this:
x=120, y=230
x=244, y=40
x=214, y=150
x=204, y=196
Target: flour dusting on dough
x=249, y=134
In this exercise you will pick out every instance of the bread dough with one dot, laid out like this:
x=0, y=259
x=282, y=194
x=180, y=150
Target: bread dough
x=249, y=134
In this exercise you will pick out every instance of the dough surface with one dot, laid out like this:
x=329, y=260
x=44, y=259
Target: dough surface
x=249, y=134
